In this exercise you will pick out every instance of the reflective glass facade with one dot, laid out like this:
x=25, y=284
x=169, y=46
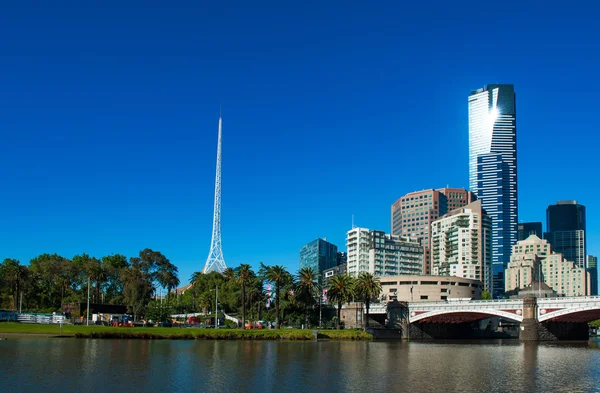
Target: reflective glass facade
x=526, y=229
x=565, y=225
x=319, y=255
x=493, y=168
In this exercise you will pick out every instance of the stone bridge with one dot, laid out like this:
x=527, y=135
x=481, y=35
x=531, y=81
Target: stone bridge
x=537, y=319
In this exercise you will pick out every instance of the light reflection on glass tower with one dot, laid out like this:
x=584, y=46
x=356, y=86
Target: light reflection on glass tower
x=493, y=168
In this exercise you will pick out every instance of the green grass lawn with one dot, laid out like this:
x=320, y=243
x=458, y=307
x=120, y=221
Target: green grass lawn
x=181, y=333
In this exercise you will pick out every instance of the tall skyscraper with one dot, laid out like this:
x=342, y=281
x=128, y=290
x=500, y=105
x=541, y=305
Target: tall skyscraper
x=318, y=255
x=413, y=214
x=461, y=244
x=565, y=230
x=525, y=229
x=493, y=168
x=215, y=261
x=592, y=267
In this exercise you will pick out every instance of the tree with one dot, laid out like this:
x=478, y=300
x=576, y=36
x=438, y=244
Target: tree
x=159, y=269
x=485, y=295
x=229, y=274
x=281, y=277
x=10, y=276
x=367, y=288
x=137, y=289
x=341, y=290
x=245, y=276
x=113, y=264
x=306, y=289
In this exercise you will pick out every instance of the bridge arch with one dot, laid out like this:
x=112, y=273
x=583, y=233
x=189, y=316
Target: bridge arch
x=579, y=314
x=474, y=313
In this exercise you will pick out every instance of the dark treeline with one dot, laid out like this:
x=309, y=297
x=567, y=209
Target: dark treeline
x=270, y=294
x=51, y=280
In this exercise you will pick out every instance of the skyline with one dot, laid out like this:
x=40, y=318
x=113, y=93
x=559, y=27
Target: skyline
x=110, y=145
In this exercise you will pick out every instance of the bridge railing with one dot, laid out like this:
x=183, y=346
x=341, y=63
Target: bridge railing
x=479, y=304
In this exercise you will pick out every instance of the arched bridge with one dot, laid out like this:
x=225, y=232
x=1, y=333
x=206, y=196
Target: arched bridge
x=569, y=309
x=465, y=311
x=560, y=309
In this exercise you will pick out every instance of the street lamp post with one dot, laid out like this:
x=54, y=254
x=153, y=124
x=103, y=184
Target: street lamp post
x=216, y=306
x=88, y=305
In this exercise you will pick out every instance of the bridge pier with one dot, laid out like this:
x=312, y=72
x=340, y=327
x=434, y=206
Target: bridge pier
x=529, y=326
x=532, y=330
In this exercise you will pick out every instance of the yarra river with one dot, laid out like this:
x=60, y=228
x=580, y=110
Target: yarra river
x=82, y=365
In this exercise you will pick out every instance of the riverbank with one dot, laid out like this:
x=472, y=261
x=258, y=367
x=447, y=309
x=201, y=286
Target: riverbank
x=157, y=333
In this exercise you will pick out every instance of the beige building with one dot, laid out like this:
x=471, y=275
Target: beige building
x=429, y=288
x=409, y=288
x=413, y=214
x=532, y=259
x=461, y=244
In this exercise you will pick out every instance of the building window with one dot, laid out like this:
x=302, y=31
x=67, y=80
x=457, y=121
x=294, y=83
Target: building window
x=424, y=297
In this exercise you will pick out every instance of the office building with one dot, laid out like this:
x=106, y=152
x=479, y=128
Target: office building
x=328, y=274
x=493, y=168
x=533, y=260
x=319, y=255
x=565, y=230
x=592, y=267
x=342, y=258
x=525, y=229
x=413, y=214
x=461, y=244
x=382, y=254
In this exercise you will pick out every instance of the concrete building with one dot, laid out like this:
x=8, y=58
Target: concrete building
x=328, y=274
x=382, y=254
x=565, y=230
x=592, y=267
x=532, y=260
x=525, y=229
x=461, y=244
x=493, y=167
x=413, y=214
x=413, y=289
x=319, y=255
x=429, y=288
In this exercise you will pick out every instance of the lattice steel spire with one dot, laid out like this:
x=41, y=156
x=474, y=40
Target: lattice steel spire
x=215, y=261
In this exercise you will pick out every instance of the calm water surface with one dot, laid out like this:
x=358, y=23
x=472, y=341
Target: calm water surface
x=73, y=365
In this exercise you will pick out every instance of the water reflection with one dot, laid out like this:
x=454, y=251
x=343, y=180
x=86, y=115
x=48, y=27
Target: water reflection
x=230, y=366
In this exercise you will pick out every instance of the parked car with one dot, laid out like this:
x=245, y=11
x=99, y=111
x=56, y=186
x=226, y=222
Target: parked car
x=165, y=323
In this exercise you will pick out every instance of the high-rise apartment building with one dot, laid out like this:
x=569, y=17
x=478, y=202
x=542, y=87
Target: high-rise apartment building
x=592, y=267
x=493, y=167
x=525, y=229
x=461, y=244
x=381, y=254
x=413, y=214
x=532, y=260
x=319, y=255
x=565, y=230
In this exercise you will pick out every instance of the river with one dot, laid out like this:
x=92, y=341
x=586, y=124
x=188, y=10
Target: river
x=85, y=365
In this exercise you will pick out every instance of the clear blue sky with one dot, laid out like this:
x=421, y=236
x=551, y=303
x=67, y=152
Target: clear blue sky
x=108, y=118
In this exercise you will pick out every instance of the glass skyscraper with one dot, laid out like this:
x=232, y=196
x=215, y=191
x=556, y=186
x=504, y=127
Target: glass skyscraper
x=319, y=255
x=493, y=168
x=565, y=226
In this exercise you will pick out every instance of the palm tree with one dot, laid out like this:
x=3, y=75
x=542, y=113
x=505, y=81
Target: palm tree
x=245, y=276
x=229, y=274
x=307, y=289
x=367, y=288
x=341, y=290
x=280, y=276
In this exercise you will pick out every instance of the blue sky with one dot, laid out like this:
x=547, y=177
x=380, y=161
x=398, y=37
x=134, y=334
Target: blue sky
x=109, y=119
